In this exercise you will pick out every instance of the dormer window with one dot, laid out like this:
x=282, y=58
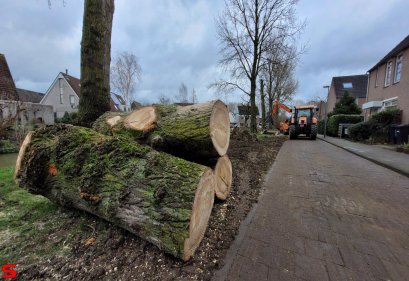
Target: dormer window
x=347, y=85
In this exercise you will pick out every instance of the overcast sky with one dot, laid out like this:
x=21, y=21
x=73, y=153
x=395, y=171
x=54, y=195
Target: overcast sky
x=175, y=41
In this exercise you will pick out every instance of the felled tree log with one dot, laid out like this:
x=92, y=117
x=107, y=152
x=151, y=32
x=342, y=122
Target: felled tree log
x=224, y=176
x=161, y=198
x=194, y=132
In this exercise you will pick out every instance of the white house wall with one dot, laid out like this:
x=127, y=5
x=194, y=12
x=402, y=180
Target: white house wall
x=52, y=98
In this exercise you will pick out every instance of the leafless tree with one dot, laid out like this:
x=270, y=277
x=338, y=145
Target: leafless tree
x=244, y=30
x=125, y=74
x=194, y=97
x=164, y=99
x=278, y=72
x=183, y=93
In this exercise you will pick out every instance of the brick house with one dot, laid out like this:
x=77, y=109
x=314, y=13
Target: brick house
x=355, y=85
x=64, y=95
x=19, y=106
x=388, y=85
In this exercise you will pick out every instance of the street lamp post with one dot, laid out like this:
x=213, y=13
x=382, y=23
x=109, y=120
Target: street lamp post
x=325, y=113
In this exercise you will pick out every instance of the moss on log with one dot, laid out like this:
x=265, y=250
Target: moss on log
x=161, y=198
x=196, y=132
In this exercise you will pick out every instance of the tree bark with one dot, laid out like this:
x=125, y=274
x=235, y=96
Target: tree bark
x=196, y=132
x=161, y=198
x=263, y=105
x=95, y=59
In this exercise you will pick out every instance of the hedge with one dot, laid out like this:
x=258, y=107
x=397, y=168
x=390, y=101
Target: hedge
x=334, y=121
x=376, y=128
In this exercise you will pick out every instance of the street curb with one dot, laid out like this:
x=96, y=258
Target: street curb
x=367, y=158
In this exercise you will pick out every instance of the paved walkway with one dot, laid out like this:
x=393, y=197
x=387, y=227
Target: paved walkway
x=396, y=161
x=324, y=214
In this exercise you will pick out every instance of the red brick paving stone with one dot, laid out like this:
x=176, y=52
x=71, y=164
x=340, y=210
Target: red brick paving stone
x=342, y=273
x=402, y=255
x=384, y=252
x=377, y=267
x=363, y=246
x=351, y=205
x=397, y=272
x=244, y=269
x=257, y=251
x=310, y=269
x=323, y=251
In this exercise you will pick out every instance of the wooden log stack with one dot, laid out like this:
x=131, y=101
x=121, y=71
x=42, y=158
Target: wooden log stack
x=145, y=171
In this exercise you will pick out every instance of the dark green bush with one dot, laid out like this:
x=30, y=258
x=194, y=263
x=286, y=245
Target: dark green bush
x=375, y=129
x=6, y=146
x=321, y=125
x=69, y=118
x=386, y=117
x=334, y=121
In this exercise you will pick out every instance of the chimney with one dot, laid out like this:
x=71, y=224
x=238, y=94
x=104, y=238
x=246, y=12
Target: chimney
x=66, y=71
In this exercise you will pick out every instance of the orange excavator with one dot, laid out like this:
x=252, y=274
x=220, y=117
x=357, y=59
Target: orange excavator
x=284, y=125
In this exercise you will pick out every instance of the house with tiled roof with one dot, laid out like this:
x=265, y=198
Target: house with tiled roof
x=64, y=95
x=355, y=85
x=20, y=106
x=388, y=85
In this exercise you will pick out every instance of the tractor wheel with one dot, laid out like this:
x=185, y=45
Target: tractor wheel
x=313, y=134
x=292, y=132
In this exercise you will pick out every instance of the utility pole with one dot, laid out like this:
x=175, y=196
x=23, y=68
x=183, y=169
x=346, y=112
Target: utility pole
x=325, y=112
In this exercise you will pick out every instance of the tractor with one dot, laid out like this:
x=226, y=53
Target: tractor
x=303, y=121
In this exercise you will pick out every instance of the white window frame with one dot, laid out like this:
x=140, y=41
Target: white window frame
x=388, y=73
x=344, y=84
x=391, y=102
x=60, y=85
x=398, y=69
x=72, y=99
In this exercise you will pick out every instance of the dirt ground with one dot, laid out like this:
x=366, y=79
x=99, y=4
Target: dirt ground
x=98, y=250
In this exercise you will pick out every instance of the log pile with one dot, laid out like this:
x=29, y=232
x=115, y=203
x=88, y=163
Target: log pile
x=154, y=171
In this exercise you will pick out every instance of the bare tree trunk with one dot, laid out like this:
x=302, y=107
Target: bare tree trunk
x=95, y=59
x=263, y=105
x=253, y=119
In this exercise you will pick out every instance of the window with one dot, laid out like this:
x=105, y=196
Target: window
x=61, y=90
x=388, y=73
x=398, y=69
x=392, y=102
x=376, y=77
x=347, y=85
x=72, y=100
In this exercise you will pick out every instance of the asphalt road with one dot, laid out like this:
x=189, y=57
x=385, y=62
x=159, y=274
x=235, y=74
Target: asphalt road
x=324, y=214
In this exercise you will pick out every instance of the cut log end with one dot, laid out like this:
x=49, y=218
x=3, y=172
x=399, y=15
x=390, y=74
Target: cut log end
x=201, y=210
x=224, y=174
x=113, y=120
x=21, y=154
x=220, y=127
x=143, y=119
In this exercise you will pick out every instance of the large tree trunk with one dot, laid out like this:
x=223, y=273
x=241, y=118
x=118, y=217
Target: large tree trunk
x=196, y=132
x=161, y=198
x=95, y=59
x=263, y=105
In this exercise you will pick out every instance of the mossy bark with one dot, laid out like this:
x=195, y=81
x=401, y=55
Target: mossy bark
x=183, y=131
x=149, y=193
x=95, y=59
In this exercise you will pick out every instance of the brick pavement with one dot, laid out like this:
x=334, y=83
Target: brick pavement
x=324, y=214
